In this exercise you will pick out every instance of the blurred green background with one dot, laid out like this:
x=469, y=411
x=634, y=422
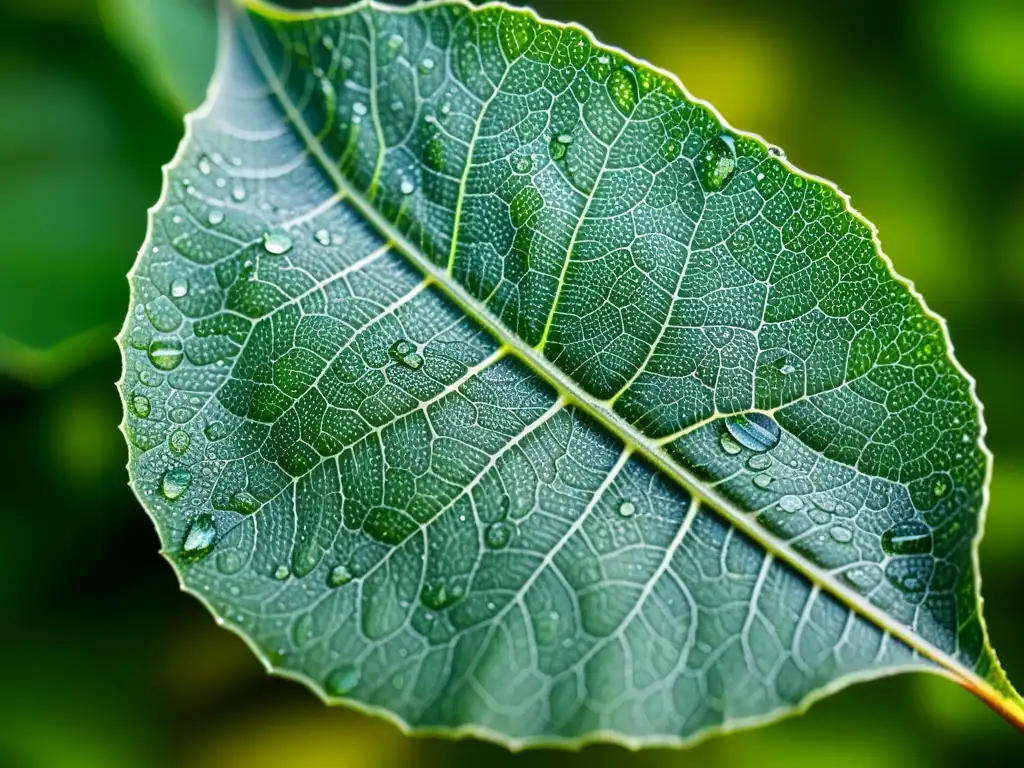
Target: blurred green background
x=916, y=109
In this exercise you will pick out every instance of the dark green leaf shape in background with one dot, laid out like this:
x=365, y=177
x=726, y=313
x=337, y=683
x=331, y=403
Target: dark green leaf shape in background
x=478, y=376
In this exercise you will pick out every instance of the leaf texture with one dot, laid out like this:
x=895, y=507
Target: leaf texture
x=479, y=376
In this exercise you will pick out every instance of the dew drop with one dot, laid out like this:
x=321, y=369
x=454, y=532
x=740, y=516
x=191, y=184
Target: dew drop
x=763, y=481
x=624, y=89
x=426, y=65
x=359, y=108
x=759, y=461
x=407, y=187
x=343, y=680
x=204, y=166
x=238, y=193
x=776, y=151
x=911, y=538
x=215, y=430
x=200, y=537
x=755, y=431
x=215, y=217
x=179, y=288
x=179, y=441
x=523, y=165
x=790, y=503
x=302, y=630
x=864, y=577
x=276, y=243
x=395, y=44
x=323, y=237
x=783, y=366
x=339, y=576
x=140, y=406
x=165, y=354
x=818, y=516
x=229, y=562
x=556, y=149
x=174, y=483
x=405, y=353
x=438, y=596
x=729, y=445
x=627, y=509
x=498, y=535
x=282, y=572
x=245, y=503
x=841, y=533
x=719, y=162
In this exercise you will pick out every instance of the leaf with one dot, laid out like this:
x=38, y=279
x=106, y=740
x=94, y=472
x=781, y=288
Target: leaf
x=481, y=378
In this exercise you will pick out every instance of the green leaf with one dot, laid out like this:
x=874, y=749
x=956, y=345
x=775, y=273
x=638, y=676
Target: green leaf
x=481, y=378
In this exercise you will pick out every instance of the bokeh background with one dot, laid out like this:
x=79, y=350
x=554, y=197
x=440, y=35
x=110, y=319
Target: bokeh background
x=916, y=109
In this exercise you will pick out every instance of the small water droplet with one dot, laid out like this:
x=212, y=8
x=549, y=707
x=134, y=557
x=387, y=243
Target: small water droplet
x=140, y=406
x=556, y=149
x=323, y=237
x=627, y=509
x=395, y=44
x=359, y=108
x=790, y=503
x=339, y=576
x=546, y=627
x=729, y=445
x=216, y=217
x=302, y=630
x=940, y=487
x=165, y=354
x=564, y=138
x=498, y=535
x=343, y=680
x=719, y=162
x=179, y=441
x=754, y=431
x=174, y=483
x=426, y=65
x=405, y=353
x=282, y=573
x=446, y=108
x=523, y=164
x=841, y=533
x=407, y=187
x=179, y=288
x=238, y=193
x=783, y=366
x=864, y=577
x=245, y=503
x=910, y=538
x=204, y=166
x=818, y=516
x=215, y=430
x=276, y=243
x=763, y=481
x=624, y=89
x=438, y=596
x=200, y=537
x=759, y=461
x=229, y=562
x=776, y=151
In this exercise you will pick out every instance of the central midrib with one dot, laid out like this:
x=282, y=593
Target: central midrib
x=577, y=396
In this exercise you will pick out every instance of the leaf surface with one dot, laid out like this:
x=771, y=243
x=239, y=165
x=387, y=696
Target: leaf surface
x=479, y=376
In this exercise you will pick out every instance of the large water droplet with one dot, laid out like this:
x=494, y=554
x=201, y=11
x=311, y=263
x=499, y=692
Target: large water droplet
x=719, y=162
x=754, y=431
x=229, y=562
x=276, y=243
x=179, y=288
x=179, y=441
x=165, y=354
x=175, y=482
x=790, y=504
x=911, y=538
x=200, y=537
x=627, y=509
x=498, y=535
x=140, y=406
x=343, y=680
x=339, y=576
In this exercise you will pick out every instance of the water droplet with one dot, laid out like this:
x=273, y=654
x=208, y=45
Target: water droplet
x=179, y=288
x=446, y=108
x=302, y=630
x=719, y=162
x=140, y=406
x=179, y=441
x=343, y=680
x=754, y=431
x=244, y=502
x=759, y=461
x=323, y=237
x=359, y=108
x=841, y=533
x=911, y=538
x=426, y=65
x=818, y=516
x=238, y=193
x=395, y=44
x=282, y=573
x=276, y=243
x=763, y=481
x=624, y=89
x=627, y=509
x=200, y=537
x=556, y=149
x=564, y=138
x=790, y=503
x=215, y=430
x=523, y=164
x=215, y=217
x=339, y=576
x=864, y=577
x=776, y=151
x=174, y=483
x=407, y=187
x=729, y=445
x=405, y=353
x=204, y=166
x=165, y=354
x=438, y=596
x=229, y=562
x=546, y=627
x=498, y=535
x=783, y=366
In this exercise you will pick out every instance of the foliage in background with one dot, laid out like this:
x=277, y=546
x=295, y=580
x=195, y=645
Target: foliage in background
x=114, y=667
